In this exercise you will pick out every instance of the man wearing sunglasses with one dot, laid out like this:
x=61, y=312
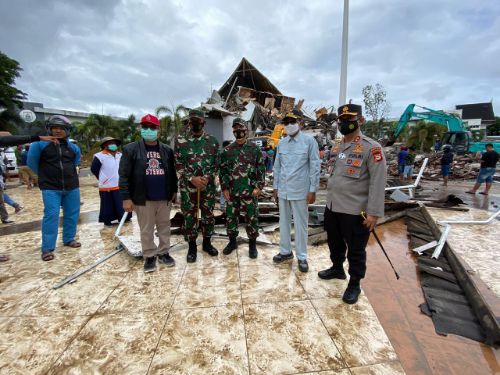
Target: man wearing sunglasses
x=197, y=163
x=148, y=186
x=357, y=185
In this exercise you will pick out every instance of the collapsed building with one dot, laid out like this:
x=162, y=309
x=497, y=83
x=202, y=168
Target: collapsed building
x=250, y=94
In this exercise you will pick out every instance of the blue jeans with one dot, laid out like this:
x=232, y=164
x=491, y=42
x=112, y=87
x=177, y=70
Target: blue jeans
x=9, y=200
x=408, y=171
x=53, y=200
x=401, y=168
x=485, y=175
x=445, y=170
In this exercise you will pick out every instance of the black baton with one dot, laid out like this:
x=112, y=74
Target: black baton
x=382, y=247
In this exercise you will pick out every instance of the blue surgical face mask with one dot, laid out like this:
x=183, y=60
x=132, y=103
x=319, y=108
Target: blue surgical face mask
x=112, y=147
x=149, y=134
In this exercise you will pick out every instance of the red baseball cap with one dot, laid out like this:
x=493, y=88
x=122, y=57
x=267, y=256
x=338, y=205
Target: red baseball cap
x=150, y=119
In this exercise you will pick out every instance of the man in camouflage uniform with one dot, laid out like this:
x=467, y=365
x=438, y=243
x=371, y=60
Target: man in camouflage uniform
x=242, y=174
x=197, y=163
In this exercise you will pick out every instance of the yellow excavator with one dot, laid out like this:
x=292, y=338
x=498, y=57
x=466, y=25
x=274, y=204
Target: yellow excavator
x=271, y=140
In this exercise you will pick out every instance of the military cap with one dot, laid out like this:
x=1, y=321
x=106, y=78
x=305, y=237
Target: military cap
x=239, y=120
x=107, y=139
x=196, y=113
x=349, y=109
x=291, y=115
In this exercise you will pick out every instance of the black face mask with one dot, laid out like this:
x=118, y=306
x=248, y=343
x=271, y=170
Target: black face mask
x=347, y=127
x=240, y=133
x=197, y=125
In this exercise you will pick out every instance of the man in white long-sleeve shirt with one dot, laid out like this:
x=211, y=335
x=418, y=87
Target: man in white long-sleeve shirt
x=296, y=180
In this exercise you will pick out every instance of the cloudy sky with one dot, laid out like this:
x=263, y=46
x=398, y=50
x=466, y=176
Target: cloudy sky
x=130, y=56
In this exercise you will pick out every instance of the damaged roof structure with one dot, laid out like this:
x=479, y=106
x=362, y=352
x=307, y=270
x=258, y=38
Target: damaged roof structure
x=248, y=89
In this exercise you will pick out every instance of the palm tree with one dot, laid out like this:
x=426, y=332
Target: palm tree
x=129, y=129
x=423, y=134
x=171, y=125
x=103, y=126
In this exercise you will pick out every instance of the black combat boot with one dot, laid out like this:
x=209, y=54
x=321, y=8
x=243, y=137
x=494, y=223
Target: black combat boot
x=334, y=272
x=352, y=292
x=191, y=256
x=208, y=248
x=232, y=245
x=252, y=249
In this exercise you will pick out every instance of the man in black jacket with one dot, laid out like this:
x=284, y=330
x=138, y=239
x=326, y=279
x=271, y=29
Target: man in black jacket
x=148, y=186
x=55, y=164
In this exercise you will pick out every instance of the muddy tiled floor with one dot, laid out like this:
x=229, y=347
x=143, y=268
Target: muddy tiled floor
x=223, y=315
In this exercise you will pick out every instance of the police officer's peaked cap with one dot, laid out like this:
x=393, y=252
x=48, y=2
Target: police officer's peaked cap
x=107, y=139
x=295, y=114
x=196, y=113
x=350, y=109
x=239, y=120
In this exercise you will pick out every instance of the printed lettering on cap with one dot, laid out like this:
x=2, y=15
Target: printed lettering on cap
x=377, y=154
x=358, y=149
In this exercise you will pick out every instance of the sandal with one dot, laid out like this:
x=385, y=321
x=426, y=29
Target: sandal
x=470, y=192
x=4, y=258
x=47, y=256
x=73, y=244
x=482, y=192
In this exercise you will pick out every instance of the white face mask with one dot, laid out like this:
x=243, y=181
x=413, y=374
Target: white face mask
x=292, y=129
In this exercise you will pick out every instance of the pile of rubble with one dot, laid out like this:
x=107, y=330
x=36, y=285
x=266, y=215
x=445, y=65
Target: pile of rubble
x=464, y=167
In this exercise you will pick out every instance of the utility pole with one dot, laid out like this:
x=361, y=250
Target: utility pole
x=343, y=65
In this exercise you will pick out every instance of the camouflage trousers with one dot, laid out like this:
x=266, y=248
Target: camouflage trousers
x=189, y=207
x=249, y=207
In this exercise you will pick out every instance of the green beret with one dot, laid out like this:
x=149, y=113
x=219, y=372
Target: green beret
x=197, y=113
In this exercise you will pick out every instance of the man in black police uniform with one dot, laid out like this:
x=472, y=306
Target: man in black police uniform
x=356, y=186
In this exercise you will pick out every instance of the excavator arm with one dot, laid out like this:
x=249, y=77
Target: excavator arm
x=452, y=122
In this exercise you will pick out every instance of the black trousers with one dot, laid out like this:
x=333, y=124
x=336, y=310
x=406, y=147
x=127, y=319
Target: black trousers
x=347, y=234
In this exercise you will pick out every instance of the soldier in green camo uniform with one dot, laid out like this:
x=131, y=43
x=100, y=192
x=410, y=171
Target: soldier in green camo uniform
x=242, y=174
x=197, y=164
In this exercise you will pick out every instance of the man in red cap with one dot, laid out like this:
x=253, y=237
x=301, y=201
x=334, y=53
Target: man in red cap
x=148, y=186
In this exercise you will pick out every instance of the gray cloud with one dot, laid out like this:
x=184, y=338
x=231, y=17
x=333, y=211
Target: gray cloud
x=129, y=56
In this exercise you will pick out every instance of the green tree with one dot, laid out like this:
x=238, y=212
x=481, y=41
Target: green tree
x=171, y=124
x=495, y=128
x=34, y=128
x=376, y=107
x=129, y=128
x=10, y=96
x=423, y=135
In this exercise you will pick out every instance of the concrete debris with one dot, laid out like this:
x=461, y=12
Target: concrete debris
x=463, y=167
